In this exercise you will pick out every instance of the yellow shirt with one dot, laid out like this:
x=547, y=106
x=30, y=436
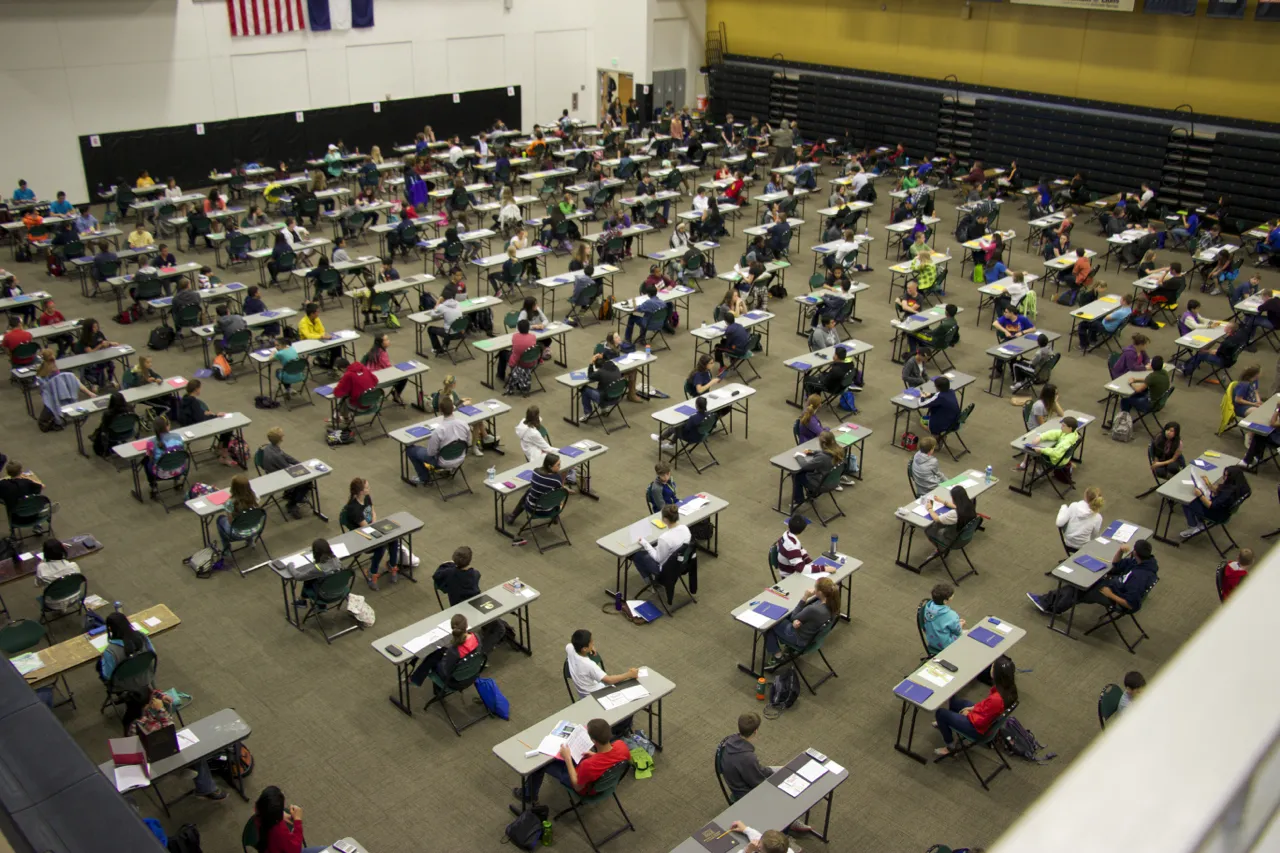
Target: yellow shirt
x=145, y=182
x=311, y=330
x=138, y=239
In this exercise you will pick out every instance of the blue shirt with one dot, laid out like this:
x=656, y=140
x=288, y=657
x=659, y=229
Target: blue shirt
x=1112, y=321
x=650, y=305
x=24, y=194
x=996, y=271
x=1017, y=325
x=87, y=222
x=61, y=207
x=736, y=336
x=944, y=412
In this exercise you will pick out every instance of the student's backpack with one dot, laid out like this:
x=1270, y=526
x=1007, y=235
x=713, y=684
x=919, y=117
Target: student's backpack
x=910, y=441
x=1018, y=740
x=1068, y=297
x=867, y=193
x=221, y=368
x=494, y=702
x=185, y=840
x=338, y=437
x=778, y=290
x=128, y=316
x=223, y=767
x=1122, y=427
x=238, y=450
x=262, y=401
x=22, y=252
x=673, y=322
x=606, y=308
x=965, y=228
x=525, y=832
x=161, y=338
x=8, y=549
x=54, y=266
x=785, y=690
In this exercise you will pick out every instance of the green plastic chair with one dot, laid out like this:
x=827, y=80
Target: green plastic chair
x=1109, y=703
x=328, y=594
x=63, y=588
x=249, y=835
x=28, y=514
x=451, y=452
x=132, y=675
x=529, y=360
x=610, y=401
x=724, y=788
x=172, y=468
x=966, y=747
x=248, y=527
x=546, y=513
x=827, y=487
x=186, y=317
x=328, y=283
x=960, y=540
x=237, y=349
x=463, y=676
x=369, y=407
x=24, y=635
x=792, y=655
x=292, y=375
x=456, y=340
x=24, y=352
x=817, y=280
x=606, y=787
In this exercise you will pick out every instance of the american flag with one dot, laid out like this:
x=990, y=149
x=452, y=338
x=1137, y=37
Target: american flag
x=265, y=17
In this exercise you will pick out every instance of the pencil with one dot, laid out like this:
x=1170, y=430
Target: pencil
x=526, y=746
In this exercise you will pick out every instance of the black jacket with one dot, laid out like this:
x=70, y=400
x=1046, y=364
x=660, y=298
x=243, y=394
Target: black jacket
x=604, y=372
x=458, y=584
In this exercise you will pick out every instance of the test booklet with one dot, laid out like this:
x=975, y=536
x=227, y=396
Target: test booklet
x=622, y=697
x=572, y=734
x=420, y=642
x=935, y=674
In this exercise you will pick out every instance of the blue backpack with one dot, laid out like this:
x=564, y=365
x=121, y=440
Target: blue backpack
x=494, y=702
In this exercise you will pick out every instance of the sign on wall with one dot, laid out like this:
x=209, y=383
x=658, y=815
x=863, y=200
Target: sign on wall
x=1086, y=5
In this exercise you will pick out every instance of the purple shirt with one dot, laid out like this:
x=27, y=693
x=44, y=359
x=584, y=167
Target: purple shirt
x=810, y=429
x=1130, y=359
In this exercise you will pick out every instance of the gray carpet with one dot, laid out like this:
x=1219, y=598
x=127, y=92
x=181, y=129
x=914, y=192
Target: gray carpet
x=324, y=731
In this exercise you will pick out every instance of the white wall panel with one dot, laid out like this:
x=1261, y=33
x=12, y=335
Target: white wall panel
x=270, y=82
x=476, y=63
x=377, y=70
x=561, y=70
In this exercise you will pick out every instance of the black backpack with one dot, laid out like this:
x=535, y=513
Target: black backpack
x=525, y=832
x=185, y=840
x=966, y=227
x=161, y=338
x=1018, y=740
x=867, y=193
x=785, y=689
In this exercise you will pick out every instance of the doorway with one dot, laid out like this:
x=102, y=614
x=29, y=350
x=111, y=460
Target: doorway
x=614, y=86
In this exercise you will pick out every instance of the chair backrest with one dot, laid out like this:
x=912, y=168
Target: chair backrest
x=724, y=789
x=258, y=457
x=148, y=288
x=615, y=392
x=511, y=319
x=239, y=342
x=66, y=586
x=467, y=670
x=20, y=635
x=333, y=589
x=530, y=358
x=172, y=461
x=134, y=673
x=286, y=261
x=294, y=371
x=1109, y=703
x=187, y=316
x=249, y=523
x=122, y=428
x=965, y=534
x=920, y=626
x=911, y=482
x=459, y=326
x=328, y=277
x=1164, y=398
x=550, y=503
x=33, y=507
x=1046, y=368
x=608, y=781
x=658, y=319
x=964, y=416
x=370, y=401
x=453, y=450
x=831, y=480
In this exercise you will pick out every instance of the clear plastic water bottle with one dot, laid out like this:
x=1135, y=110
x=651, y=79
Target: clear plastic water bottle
x=648, y=350
x=491, y=474
x=835, y=542
x=517, y=584
x=990, y=475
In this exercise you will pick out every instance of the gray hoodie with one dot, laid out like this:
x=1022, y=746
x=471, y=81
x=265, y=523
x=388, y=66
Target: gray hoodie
x=742, y=770
x=926, y=474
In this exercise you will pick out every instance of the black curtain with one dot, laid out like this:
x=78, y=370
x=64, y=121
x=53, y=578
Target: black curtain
x=181, y=153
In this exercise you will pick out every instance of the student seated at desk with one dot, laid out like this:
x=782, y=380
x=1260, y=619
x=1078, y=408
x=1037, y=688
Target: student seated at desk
x=253, y=304
x=1092, y=331
x=1218, y=503
x=1058, y=445
x=974, y=721
x=942, y=409
x=808, y=426
x=640, y=314
x=1234, y=339
x=24, y=192
x=123, y=642
x=690, y=431
x=792, y=556
x=1025, y=369
x=227, y=325
x=705, y=376
x=545, y=480
x=17, y=336
x=839, y=376
x=816, y=608
x=56, y=565
x=278, y=833
x=1082, y=520
x=1260, y=444
x=461, y=582
x=604, y=372
x=651, y=560
x=814, y=467
x=948, y=517
x=942, y=625
x=586, y=668
x=242, y=500
x=101, y=437
x=535, y=442
x=85, y=221
x=379, y=358
x=163, y=442
x=946, y=329
x=605, y=753
x=1245, y=397
x=359, y=512
x=1133, y=357
x=1010, y=324
x=276, y=458
x=57, y=389
x=914, y=372
x=742, y=769
x=153, y=716
x=450, y=429
x=140, y=237
x=311, y=328
x=1148, y=390
x=192, y=410
x=823, y=335
x=1126, y=584
x=926, y=474
x=910, y=302
x=141, y=374
x=92, y=339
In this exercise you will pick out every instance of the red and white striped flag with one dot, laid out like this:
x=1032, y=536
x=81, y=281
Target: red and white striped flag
x=265, y=17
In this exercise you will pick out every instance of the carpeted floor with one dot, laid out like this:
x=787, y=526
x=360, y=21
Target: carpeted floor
x=324, y=731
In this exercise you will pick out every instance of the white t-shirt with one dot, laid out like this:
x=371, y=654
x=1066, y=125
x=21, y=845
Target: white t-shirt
x=860, y=180
x=587, y=675
x=455, y=155
x=700, y=202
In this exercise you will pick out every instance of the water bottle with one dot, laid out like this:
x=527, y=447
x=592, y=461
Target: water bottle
x=648, y=350
x=617, y=600
x=116, y=605
x=546, y=833
x=989, y=475
x=491, y=474
x=517, y=584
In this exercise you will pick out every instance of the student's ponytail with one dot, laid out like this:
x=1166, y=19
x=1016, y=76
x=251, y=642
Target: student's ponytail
x=458, y=625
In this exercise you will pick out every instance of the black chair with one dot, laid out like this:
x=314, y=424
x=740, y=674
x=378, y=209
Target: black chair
x=455, y=341
x=685, y=558
x=71, y=588
x=330, y=593
x=1154, y=413
x=944, y=437
x=735, y=360
x=1210, y=525
x=1115, y=613
x=928, y=652
x=368, y=407
x=463, y=676
x=580, y=307
x=611, y=401
x=685, y=448
x=1109, y=703
x=792, y=655
x=724, y=789
x=960, y=541
x=451, y=452
x=544, y=515
x=827, y=487
x=131, y=676
x=654, y=325
x=247, y=527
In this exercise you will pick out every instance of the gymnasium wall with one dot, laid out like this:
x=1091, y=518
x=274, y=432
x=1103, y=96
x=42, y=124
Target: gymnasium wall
x=1220, y=67
x=72, y=68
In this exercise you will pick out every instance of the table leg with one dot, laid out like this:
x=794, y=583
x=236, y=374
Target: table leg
x=499, y=510
x=1163, y=535
x=524, y=631
x=402, y=698
x=1053, y=617
x=904, y=554
x=79, y=422
x=137, y=485
x=574, y=400
x=911, y=732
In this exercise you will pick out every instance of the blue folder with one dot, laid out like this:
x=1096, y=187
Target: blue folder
x=1112, y=528
x=801, y=365
x=686, y=410
x=1203, y=465
x=913, y=692
x=418, y=431
x=571, y=451
x=769, y=610
x=525, y=475
x=982, y=635
x=1093, y=564
x=405, y=365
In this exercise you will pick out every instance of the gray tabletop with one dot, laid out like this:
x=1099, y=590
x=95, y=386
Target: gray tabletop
x=788, y=461
x=466, y=306
x=767, y=806
x=311, y=346
x=404, y=638
x=253, y=321
x=1200, y=339
x=821, y=358
x=1181, y=488
x=976, y=484
x=719, y=398
x=1018, y=347
x=1098, y=308
x=386, y=376
x=356, y=543
x=140, y=394
x=216, y=732
x=512, y=750
x=1020, y=443
x=264, y=487
x=205, y=429
x=922, y=320
x=420, y=431
x=75, y=362
x=501, y=342
x=509, y=482
x=623, y=542
x=970, y=657
x=1102, y=548
x=1120, y=386
x=626, y=364
x=907, y=400
x=715, y=331
x=1259, y=419
x=788, y=591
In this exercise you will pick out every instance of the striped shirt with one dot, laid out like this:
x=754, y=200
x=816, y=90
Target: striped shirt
x=541, y=484
x=792, y=557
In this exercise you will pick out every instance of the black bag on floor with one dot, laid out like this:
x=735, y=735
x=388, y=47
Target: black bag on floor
x=525, y=832
x=161, y=338
x=186, y=840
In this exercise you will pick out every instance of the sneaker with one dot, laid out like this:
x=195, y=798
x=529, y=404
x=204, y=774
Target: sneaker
x=477, y=451
x=415, y=481
x=848, y=480
x=854, y=388
x=1191, y=531
x=395, y=576
x=668, y=447
x=839, y=488
x=798, y=826
x=1217, y=291
x=215, y=794
x=508, y=519
x=295, y=512
x=372, y=582
x=519, y=795
x=1035, y=599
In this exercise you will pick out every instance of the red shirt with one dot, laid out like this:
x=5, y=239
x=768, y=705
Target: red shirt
x=985, y=712
x=283, y=839
x=1231, y=577
x=355, y=382
x=49, y=318
x=734, y=191
x=520, y=343
x=15, y=338
x=595, y=764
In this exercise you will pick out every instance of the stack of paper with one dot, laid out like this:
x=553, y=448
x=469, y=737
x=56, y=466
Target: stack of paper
x=131, y=776
x=622, y=697
x=935, y=674
x=419, y=643
x=693, y=505
x=1125, y=533
x=794, y=784
x=754, y=619
x=27, y=663
x=575, y=736
x=186, y=739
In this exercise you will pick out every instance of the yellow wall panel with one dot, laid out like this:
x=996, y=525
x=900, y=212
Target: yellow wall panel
x=1220, y=67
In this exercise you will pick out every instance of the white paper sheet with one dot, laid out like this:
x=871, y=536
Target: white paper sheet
x=1002, y=627
x=186, y=739
x=919, y=510
x=131, y=776
x=812, y=771
x=340, y=550
x=644, y=672
x=27, y=663
x=420, y=642
x=754, y=619
x=151, y=622
x=99, y=642
x=1125, y=533
x=1102, y=540
x=834, y=768
x=528, y=593
x=967, y=483
x=1066, y=569
x=794, y=785
x=935, y=674
x=693, y=506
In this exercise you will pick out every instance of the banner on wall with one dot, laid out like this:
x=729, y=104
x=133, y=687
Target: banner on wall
x=1268, y=10
x=1086, y=5
x=1226, y=9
